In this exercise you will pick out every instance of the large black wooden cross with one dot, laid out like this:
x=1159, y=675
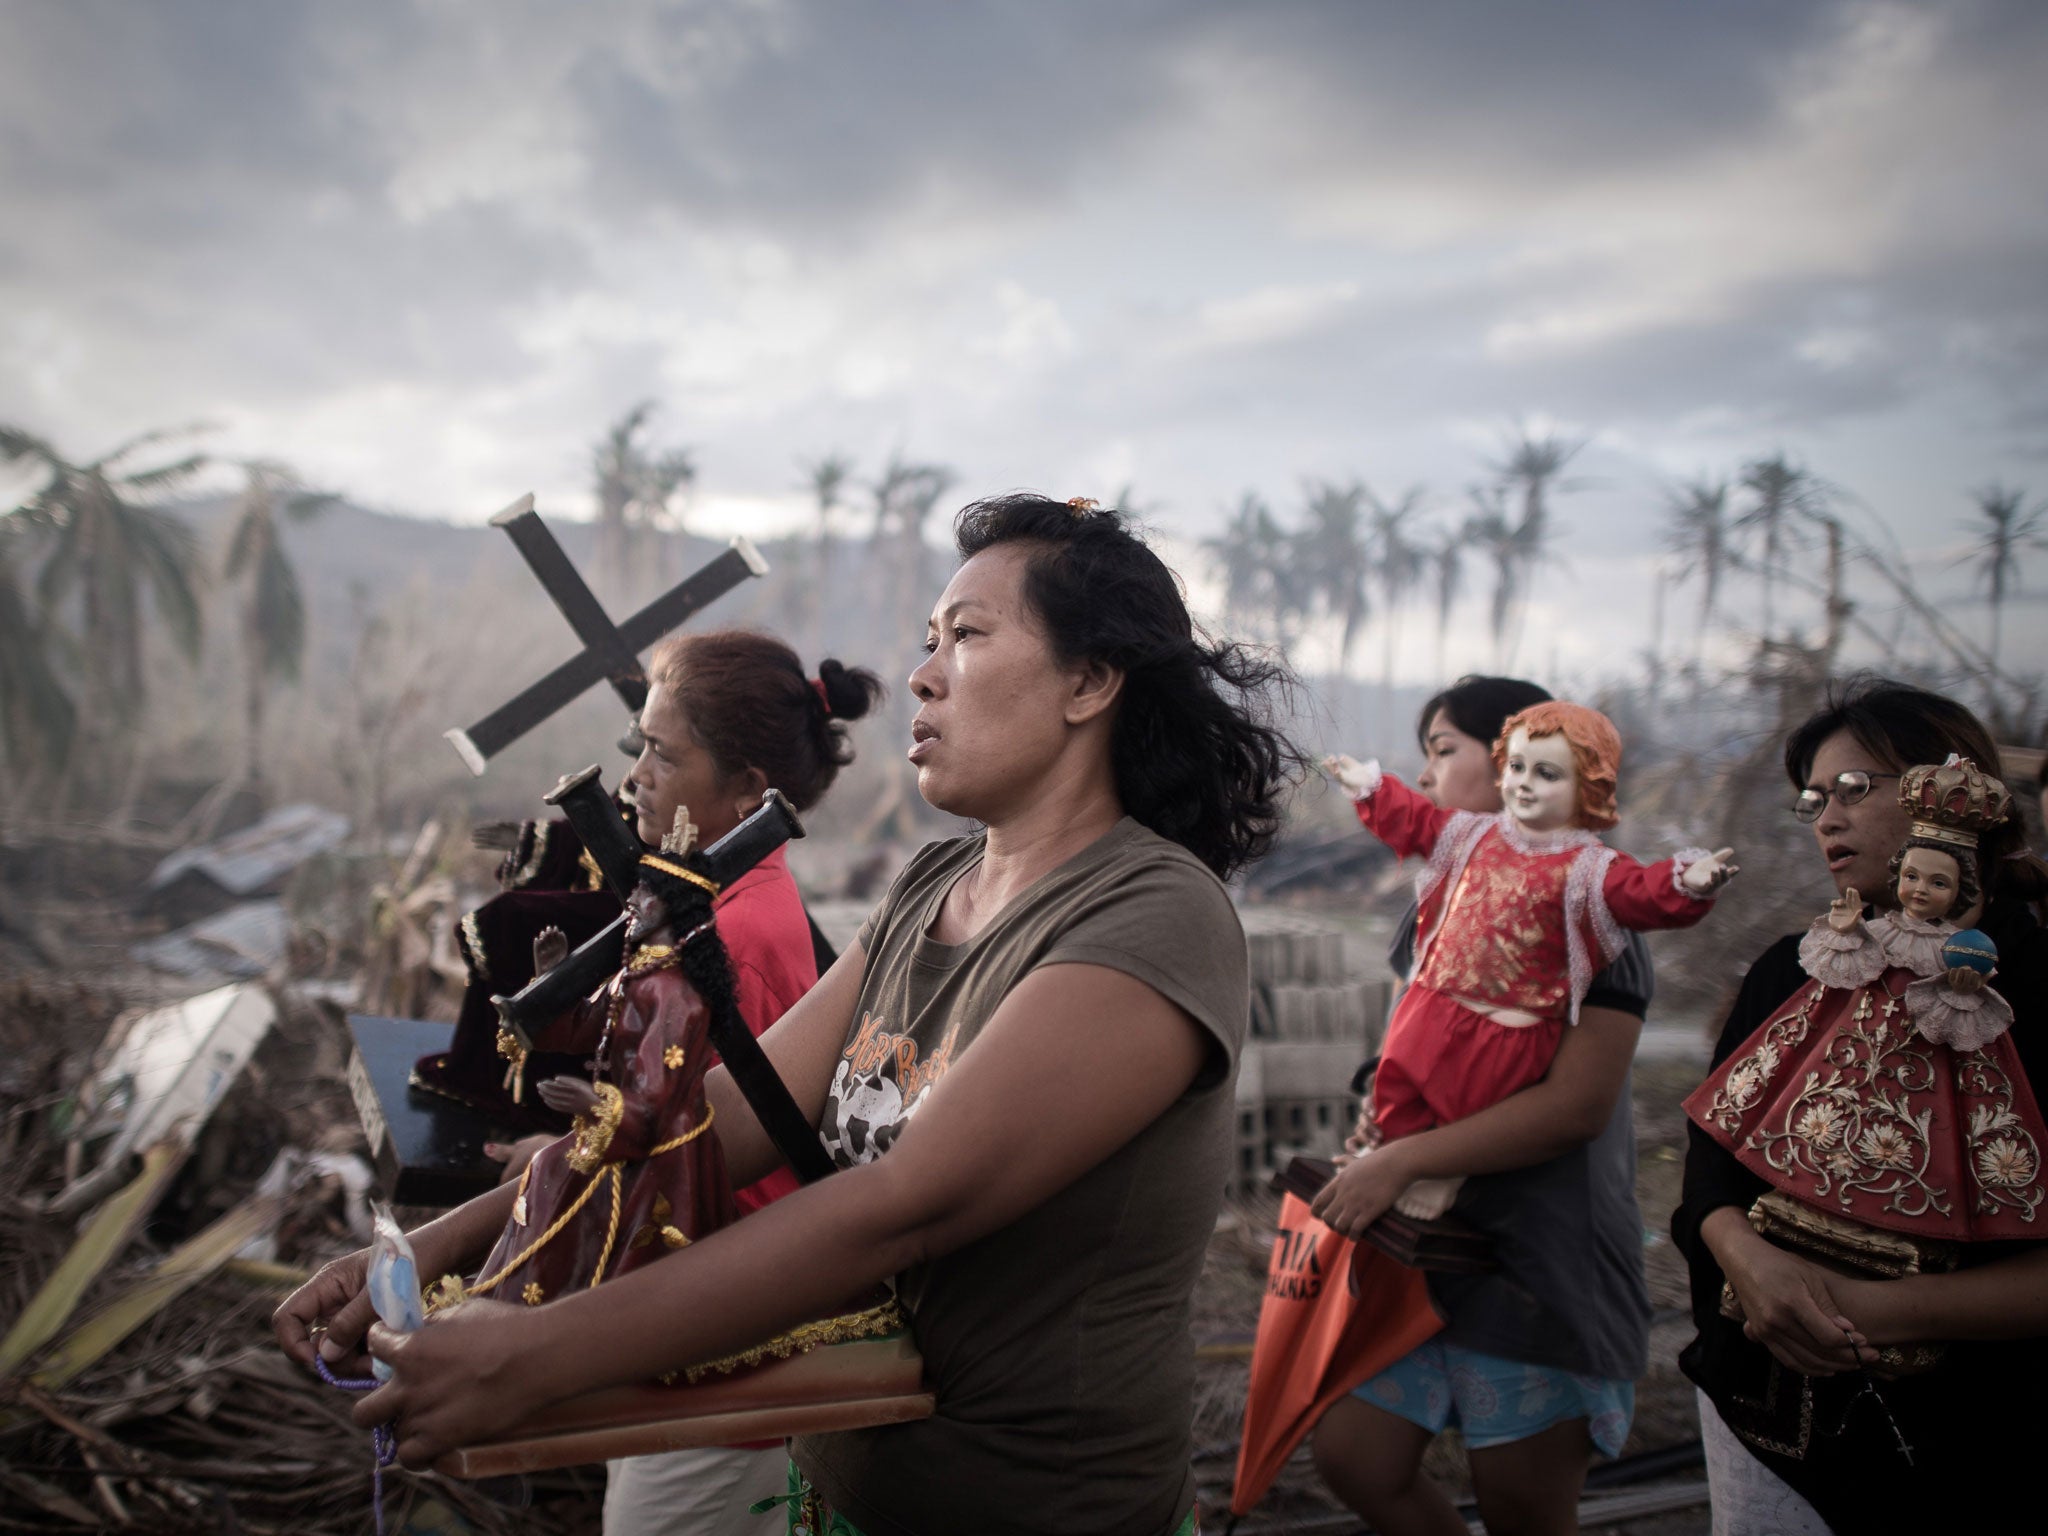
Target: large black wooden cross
x=611, y=652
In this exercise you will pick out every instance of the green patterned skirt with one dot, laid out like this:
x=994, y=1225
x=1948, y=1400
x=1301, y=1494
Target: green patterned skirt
x=810, y=1515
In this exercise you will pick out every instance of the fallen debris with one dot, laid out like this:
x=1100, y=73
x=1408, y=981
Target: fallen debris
x=164, y=1074
x=243, y=943
x=140, y=1389
x=194, y=882
x=104, y=1237
x=183, y=1268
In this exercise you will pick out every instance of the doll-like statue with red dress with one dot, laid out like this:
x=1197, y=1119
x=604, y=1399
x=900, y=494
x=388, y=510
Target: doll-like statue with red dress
x=636, y=1177
x=1884, y=1103
x=1517, y=911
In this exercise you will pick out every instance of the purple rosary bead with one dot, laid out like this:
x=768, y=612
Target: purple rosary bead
x=383, y=1444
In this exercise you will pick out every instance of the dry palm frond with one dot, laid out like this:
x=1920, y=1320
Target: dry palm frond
x=104, y=1237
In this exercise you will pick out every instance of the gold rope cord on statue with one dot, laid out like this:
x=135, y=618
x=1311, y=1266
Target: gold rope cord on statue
x=688, y=1136
x=873, y=1323
x=611, y=1235
x=548, y=1236
x=561, y=1221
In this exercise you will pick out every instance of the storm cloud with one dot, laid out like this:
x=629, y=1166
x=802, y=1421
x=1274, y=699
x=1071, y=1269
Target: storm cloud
x=427, y=250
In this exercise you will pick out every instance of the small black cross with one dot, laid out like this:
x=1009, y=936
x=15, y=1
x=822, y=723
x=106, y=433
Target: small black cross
x=611, y=652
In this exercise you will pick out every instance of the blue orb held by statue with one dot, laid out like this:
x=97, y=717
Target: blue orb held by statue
x=1972, y=948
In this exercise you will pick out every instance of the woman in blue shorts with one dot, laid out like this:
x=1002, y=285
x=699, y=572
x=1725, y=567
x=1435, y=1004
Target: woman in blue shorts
x=1536, y=1365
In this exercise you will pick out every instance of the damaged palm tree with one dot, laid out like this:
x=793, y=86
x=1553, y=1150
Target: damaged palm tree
x=37, y=715
x=111, y=557
x=273, y=616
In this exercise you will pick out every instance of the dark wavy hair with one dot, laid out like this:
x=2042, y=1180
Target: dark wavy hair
x=750, y=705
x=687, y=908
x=1479, y=706
x=1906, y=726
x=1197, y=756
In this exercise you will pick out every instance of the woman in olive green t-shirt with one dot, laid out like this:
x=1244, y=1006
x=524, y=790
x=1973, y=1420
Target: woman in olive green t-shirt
x=1066, y=703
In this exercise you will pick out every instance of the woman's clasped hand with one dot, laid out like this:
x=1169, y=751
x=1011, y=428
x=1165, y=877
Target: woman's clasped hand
x=1789, y=1305
x=463, y=1378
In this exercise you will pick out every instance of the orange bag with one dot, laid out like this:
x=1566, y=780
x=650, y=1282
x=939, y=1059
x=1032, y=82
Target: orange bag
x=1329, y=1321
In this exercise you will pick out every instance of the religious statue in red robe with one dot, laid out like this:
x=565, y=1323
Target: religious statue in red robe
x=637, y=1176
x=1517, y=912
x=1886, y=1096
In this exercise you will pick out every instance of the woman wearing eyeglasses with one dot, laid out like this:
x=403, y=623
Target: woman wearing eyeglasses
x=1845, y=1458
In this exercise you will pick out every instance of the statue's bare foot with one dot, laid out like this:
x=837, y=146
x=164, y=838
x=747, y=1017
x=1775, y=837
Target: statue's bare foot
x=1427, y=1199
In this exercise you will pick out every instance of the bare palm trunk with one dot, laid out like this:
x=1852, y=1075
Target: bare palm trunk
x=1838, y=605
x=252, y=709
x=822, y=595
x=1657, y=643
x=1387, y=670
x=132, y=781
x=1518, y=618
x=611, y=544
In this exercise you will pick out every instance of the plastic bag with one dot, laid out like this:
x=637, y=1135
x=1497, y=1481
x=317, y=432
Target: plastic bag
x=1334, y=1315
x=394, y=1281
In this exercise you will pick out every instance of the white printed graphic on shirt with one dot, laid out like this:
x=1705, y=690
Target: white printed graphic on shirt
x=880, y=1084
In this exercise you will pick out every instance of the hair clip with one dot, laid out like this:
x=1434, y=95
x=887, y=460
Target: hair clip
x=1083, y=505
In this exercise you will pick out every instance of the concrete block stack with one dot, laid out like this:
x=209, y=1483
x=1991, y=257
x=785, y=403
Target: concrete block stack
x=1313, y=1021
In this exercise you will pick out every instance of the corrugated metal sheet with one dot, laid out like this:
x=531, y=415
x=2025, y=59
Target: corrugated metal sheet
x=245, y=942
x=255, y=860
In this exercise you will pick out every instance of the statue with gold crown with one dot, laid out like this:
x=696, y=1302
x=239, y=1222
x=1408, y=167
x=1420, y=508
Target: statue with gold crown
x=1884, y=1103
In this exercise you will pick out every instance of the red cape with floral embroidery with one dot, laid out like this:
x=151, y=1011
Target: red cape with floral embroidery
x=1840, y=1102
x=638, y=1176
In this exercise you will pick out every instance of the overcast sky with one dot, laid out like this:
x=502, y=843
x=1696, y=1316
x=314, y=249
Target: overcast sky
x=426, y=251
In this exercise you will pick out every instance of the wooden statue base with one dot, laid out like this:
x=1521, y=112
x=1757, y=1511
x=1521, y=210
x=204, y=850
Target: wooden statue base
x=1447, y=1245
x=855, y=1385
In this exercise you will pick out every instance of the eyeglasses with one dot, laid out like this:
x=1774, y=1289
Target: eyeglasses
x=1849, y=788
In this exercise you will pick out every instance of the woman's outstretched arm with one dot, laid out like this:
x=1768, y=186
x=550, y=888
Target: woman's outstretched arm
x=1014, y=1121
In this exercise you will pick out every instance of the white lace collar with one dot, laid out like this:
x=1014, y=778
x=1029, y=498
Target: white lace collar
x=1519, y=838
x=1911, y=942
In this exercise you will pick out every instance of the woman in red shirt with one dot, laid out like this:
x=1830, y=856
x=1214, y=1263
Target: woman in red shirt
x=729, y=715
